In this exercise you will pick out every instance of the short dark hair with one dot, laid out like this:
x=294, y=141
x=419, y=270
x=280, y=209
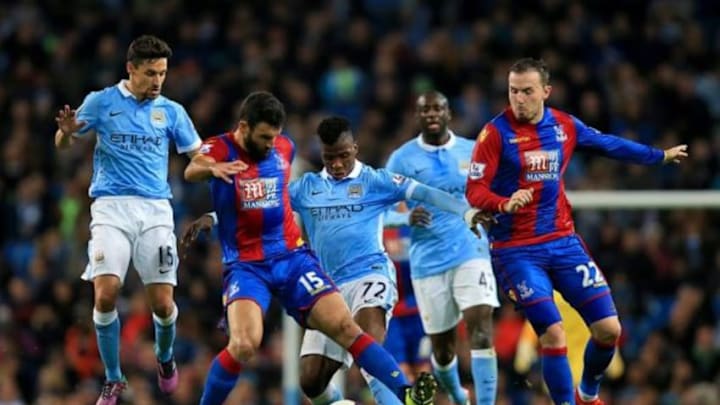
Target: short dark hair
x=526, y=64
x=262, y=106
x=433, y=93
x=330, y=129
x=146, y=47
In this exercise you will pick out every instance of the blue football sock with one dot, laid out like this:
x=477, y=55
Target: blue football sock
x=597, y=358
x=557, y=376
x=449, y=378
x=368, y=354
x=382, y=394
x=107, y=329
x=221, y=379
x=165, y=335
x=484, y=372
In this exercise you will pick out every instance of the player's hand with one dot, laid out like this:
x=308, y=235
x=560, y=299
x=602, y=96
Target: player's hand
x=421, y=217
x=518, y=199
x=191, y=233
x=676, y=154
x=67, y=121
x=474, y=217
x=225, y=170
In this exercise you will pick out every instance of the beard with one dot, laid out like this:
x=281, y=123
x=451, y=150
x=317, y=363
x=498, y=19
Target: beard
x=255, y=152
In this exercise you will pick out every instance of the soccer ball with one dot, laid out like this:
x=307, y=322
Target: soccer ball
x=343, y=402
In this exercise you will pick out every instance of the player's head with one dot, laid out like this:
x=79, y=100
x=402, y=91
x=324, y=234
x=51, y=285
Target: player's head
x=432, y=113
x=528, y=88
x=147, y=61
x=338, y=147
x=262, y=117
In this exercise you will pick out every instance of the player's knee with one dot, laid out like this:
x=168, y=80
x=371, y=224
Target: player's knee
x=311, y=383
x=607, y=331
x=554, y=336
x=481, y=338
x=105, y=296
x=242, y=348
x=376, y=331
x=163, y=309
x=345, y=331
x=443, y=354
x=480, y=327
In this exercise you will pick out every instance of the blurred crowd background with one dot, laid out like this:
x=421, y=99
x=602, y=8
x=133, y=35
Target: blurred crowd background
x=648, y=70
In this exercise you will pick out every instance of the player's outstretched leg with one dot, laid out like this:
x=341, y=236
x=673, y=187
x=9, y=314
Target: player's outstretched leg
x=331, y=316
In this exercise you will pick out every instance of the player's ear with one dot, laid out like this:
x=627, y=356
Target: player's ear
x=130, y=68
x=243, y=127
x=547, y=89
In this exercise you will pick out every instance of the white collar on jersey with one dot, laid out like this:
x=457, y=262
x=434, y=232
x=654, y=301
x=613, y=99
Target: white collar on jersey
x=432, y=148
x=122, y=86
x=353, y=174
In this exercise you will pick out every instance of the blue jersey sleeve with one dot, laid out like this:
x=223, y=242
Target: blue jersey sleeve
x=184, y=134
x=616, y=147
x=89, y=111
x=439, y=198
x=394, y=187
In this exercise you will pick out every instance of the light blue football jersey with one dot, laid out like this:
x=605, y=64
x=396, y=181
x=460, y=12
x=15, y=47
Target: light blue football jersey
x=447, y=242
x=344, y=218
x=133, y=141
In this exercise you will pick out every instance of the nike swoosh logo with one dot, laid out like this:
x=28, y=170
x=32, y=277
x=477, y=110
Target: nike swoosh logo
x=315, y=192
x=164, y=271
x=114, y=113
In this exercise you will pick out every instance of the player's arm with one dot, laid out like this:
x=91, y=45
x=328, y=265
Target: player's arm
x=63, y=140
x=198, y=226
x=210, y=162
x=483, y=167
x=186, y=138
x=446, y=202
x=75, y=123
x=626, y=150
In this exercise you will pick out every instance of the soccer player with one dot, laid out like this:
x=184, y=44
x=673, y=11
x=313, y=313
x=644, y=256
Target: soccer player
x=131, y=213
x=516, y=171
x=346, y=202
x=264, y=255
x=450, y=267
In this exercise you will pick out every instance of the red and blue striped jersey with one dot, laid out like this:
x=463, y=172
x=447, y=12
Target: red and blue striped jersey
x=510, y=155
x=255, y=220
